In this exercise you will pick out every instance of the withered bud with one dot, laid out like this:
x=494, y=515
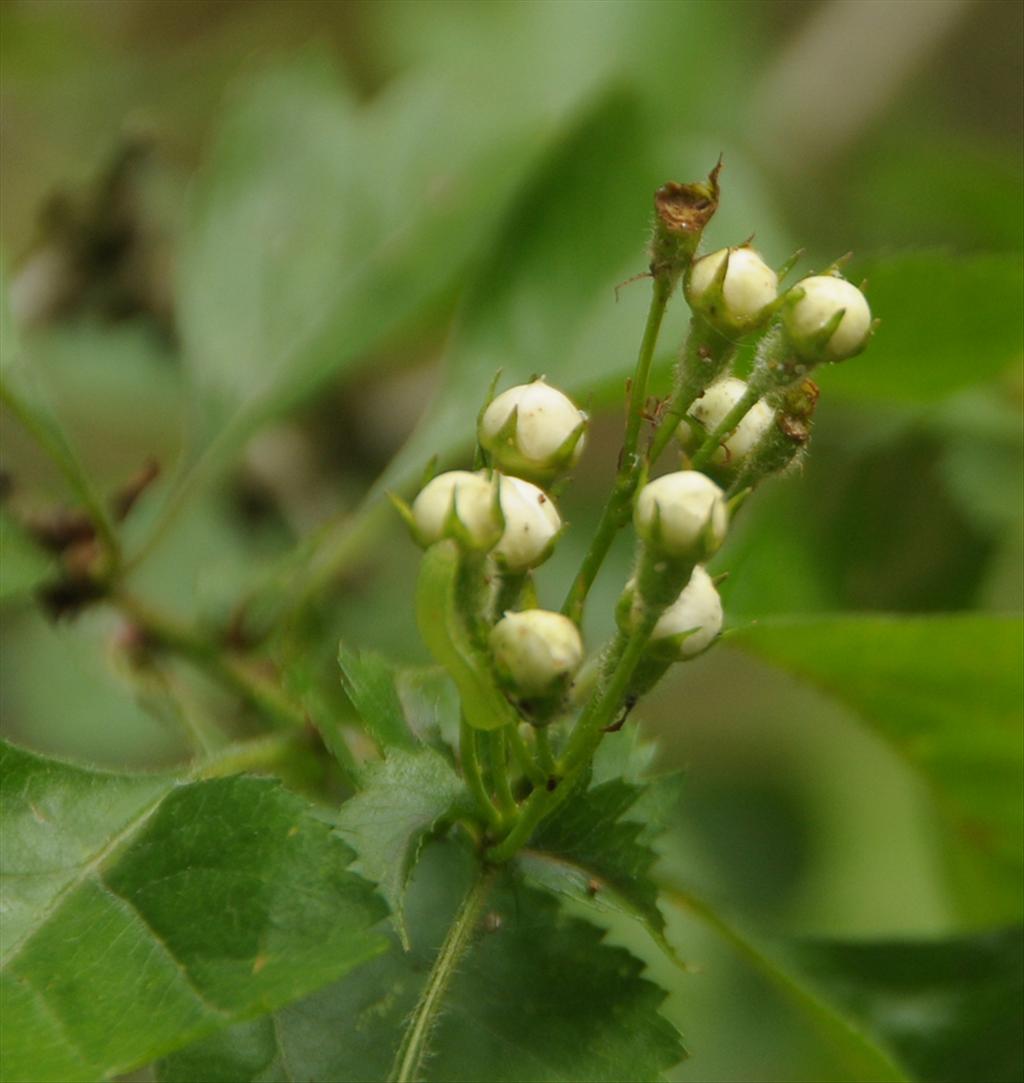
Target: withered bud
x=59, y=529
x=796, y=410
x=800, y=400
x=681, y=211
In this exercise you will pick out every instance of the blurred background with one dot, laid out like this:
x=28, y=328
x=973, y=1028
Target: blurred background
x=250, y=241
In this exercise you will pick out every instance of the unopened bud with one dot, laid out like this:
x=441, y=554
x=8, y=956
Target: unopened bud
x=692, y=621
x=732, y=289
x=458, y=505
x=682, y=515
x=710, y=410
x=532, y=431
x=536, y=652
x=532, y=524
x=827, y=319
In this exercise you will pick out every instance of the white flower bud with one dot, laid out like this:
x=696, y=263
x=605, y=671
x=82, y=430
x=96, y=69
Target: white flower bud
x=808, y=318
x=532, y=523
x=532, y=430
x=741, y=297
x=471, y=499
x=696, y=615
x=682, y=515
x=710, y=410
x=536, y=651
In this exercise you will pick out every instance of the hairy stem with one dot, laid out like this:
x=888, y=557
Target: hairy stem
x=706, y=355
x=498, y=749
x=616, y=511
x=413, y=1049
x=473, y=775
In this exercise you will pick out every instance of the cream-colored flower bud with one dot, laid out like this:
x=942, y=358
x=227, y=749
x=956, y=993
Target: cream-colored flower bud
x=458, y=504
x=710, y=410
x=818, y=302
x=532, y=523
x=694, y=619
x=536, y=651
x=737, y=300
x=533, y=431
x=682, y=515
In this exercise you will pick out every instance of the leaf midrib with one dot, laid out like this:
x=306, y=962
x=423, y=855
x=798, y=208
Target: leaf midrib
x=83, y=872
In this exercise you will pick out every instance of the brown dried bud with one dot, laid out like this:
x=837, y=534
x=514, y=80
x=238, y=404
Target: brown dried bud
x=681, y=213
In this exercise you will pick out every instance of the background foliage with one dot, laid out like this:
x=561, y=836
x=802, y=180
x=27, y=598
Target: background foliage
x=281, y=250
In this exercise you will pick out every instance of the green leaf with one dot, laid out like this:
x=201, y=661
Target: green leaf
x=597, y=849
x=950, y=1008
x=946, y=693
x=403, y=800
x=849, y=1040
x=536, y=996
x=369, y=682
x=142, y=912
x=23, y=566
x=947, y=323
x=320, y=226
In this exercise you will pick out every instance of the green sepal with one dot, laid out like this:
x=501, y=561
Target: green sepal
x=790, y=263
x=405, y=511
x=450, y=642
x=506, y=456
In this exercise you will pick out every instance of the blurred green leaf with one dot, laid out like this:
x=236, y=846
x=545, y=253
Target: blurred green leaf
x=320, y=226
x=951, y=1009
x=947, y=323
x=906, y=191
x=143, y=912
x=935, y=1010
x=23, y=566
x=946, y=692
x=544, y=301
x=537, y=996
x=861, y=1055
x=401, y=802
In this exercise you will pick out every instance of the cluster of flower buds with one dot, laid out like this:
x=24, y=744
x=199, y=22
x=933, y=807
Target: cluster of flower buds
x=485, y=530
x=529, y=435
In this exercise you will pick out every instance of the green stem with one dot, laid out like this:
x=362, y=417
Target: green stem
x=638, y=394
x=705, y=356
x=51, y=439
x=257, y=753
x=498, y=749
x=616, y=510
x=526, y=760
x=714, y=438
x=413, y=1049
x=544, y=753
x=510, y=589
x=473, y=775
